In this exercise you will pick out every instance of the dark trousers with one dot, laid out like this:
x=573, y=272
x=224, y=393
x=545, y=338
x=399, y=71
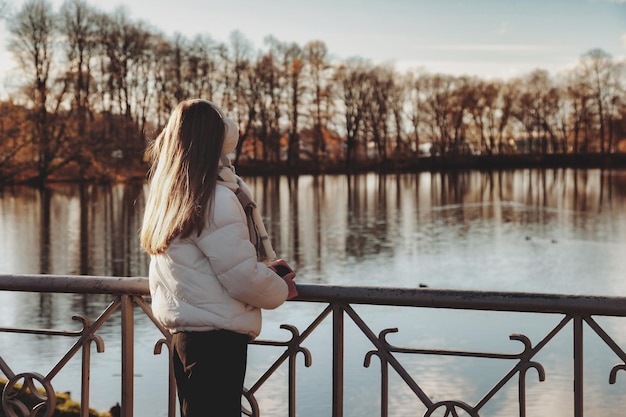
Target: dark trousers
x=210, y=368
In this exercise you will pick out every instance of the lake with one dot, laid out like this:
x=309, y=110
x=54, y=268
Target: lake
x=531, y=230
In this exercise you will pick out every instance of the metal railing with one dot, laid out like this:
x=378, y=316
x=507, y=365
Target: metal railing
x=338, y=304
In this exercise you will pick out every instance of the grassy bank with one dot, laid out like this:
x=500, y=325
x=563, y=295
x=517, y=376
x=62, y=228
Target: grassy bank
x=65, y=406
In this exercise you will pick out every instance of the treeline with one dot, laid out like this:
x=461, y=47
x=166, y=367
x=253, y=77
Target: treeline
x=94, y=88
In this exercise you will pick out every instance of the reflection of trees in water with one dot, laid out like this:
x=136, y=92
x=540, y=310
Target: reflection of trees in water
x=319, y=203
x=376, y=205
x=84, y=268
x=539, y=195
x=44, y=234
x=312, y=221
x=108, y=218
x=366, y=217
x=294, y=212
x=531, y=196
x=108, y=222
x=305, y=204
x=284, y=228
x=450, y=187
x=45, y=311
x=572, y=189
x=266, y=192
x=45, y=306
x=125, y=225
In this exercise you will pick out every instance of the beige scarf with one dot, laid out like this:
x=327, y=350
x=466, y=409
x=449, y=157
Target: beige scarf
x=256, y=228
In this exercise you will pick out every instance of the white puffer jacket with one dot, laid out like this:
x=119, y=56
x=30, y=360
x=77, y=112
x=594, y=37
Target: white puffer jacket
x=214, y=281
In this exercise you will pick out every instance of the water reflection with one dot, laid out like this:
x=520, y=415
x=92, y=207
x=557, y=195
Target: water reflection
x=526, y=230
x=72, y=229
x=356, y=229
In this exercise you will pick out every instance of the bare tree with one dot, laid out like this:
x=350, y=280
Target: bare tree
x=240, y=55
x=316, y=55
x=463, y=100
x=484, y=114
x=557, y=121
x=507, y=96
x=531, y=110
x=246, y=87
x=116, y=79
x=599, y=72
x=350, y=79
x=379, y=84
x=79, y=31
x=491, y=113
x=251, y=105
x=439, y=90
x=398, y=91
x=142, y=83
x=293, y=66
x=268, y=131
x=179, y=49
x=416, y=107
x=33, y=30
x=126, y=46
x=577, y=95
x=202, y=67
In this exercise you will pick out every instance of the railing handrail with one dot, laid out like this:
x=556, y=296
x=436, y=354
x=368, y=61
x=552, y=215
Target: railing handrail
x=74, y=284
x=409, y=297
x=467, y=299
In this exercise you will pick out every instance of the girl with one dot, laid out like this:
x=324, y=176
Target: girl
x=209, y=276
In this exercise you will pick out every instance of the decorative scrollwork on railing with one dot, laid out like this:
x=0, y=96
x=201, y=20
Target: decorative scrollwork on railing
x=158, y=346
x=294, y=347
x=613, y=375
x=21, y=385
x=451, y=409
x=87, y=333
x=18, y=386
x=339, y=304
x=610, y=343
x=525, y=363
x=385, y=352
x=253, y=409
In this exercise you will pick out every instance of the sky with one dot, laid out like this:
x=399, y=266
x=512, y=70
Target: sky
x=485, y=38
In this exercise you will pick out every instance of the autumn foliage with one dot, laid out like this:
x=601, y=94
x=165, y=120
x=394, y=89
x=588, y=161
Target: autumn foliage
x=92, y=89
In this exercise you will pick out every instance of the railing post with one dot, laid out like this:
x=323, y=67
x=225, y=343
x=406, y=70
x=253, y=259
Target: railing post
x=127, y=356
x=578, y=366
x=85, y=378
x=338, y=334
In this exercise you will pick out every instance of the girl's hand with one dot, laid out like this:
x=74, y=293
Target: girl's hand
x=286, y=272
x=281, y=267
x=291, y=284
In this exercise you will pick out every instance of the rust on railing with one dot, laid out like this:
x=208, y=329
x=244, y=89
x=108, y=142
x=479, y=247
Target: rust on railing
x=339, y=301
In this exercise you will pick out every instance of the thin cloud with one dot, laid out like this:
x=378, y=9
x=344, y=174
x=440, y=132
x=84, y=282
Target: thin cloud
x=487, y=47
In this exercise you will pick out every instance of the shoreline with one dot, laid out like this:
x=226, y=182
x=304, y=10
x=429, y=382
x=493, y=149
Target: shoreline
x=441, y=164
x=448, y=163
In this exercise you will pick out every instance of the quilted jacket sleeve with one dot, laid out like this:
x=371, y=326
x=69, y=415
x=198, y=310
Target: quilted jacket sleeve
x=225, y=242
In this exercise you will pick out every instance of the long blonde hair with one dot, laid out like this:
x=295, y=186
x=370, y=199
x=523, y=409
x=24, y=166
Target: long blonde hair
x=183, y=174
